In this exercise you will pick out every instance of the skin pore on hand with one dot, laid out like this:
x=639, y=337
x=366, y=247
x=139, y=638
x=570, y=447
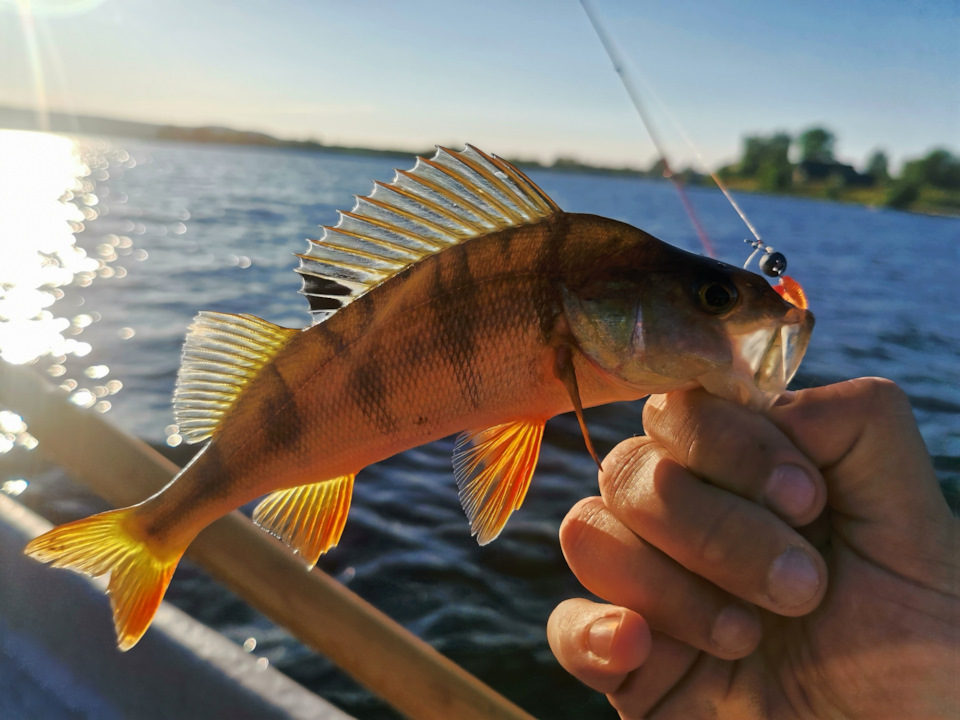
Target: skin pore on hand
x=797, y=564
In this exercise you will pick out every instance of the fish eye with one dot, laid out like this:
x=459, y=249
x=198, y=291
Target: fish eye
x=717, y=298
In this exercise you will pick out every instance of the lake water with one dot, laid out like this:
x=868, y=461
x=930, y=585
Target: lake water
x=148, y=234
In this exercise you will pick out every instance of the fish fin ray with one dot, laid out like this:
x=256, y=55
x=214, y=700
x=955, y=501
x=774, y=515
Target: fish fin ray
x=101, y=544
x=442, y=201
x=567, y=374
x=493, y=468
x=308, y=518
x=221, y=354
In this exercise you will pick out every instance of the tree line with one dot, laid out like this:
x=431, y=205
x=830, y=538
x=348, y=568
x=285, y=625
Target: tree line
x=929, y=184
x=765, y=162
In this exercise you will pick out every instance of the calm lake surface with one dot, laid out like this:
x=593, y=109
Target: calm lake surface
x=171, y=229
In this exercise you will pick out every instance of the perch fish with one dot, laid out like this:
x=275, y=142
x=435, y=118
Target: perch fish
x=458, y=298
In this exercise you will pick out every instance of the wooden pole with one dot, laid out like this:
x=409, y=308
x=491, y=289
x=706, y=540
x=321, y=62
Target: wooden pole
x=377, y=652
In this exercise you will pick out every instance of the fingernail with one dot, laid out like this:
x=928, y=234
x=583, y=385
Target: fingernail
x=735, y=629
x=657, y=401
x=793, y=578
x=600, y=636
x=790, y=490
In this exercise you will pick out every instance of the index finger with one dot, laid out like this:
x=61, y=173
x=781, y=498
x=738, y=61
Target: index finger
x=737, y=449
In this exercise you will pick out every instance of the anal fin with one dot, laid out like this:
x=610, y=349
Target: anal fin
x=493, y=468
x=308, y=518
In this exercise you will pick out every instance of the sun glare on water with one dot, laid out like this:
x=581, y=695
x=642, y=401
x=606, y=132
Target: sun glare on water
x=40, y=175
x=47, y=198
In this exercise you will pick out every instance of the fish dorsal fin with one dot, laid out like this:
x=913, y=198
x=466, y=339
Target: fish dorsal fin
x=442, y=201
x=308, y=518
x=221, y=354
x=493, y=468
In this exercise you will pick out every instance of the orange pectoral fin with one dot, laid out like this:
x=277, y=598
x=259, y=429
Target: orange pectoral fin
x=493, y=468
x=790, y=290
x=139, y=574
x=308, y=518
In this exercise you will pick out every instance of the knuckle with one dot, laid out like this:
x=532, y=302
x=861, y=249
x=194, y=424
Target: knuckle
x=583, y=517
x=725, y=440
x=628, y=461
x=672, y=417
x=879, y=396
x=714, y=545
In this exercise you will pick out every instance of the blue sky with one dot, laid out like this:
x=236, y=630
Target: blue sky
x=521, y=78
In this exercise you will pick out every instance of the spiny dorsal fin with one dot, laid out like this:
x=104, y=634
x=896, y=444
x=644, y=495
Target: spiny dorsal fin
x=221, y=354
x=493, y=468
x=442, y=201
x=308, y=518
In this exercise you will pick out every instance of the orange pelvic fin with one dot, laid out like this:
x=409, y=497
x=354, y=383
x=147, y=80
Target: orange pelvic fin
x=109, y=543
x=493, y=468
x=308, y=518
x=567, y=374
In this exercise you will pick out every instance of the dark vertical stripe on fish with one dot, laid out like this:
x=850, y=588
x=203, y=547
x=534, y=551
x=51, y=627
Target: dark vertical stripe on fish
x=551, y=265
x=458, y=340
x=331, y=337
x=283, y=424
x=368, y=387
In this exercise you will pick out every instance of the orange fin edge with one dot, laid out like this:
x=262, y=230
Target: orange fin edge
x=103, y=544
x=493, y=468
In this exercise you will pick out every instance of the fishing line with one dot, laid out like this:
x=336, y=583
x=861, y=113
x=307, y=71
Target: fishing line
x=664, y=108
x=622, y=72
x=771, y=263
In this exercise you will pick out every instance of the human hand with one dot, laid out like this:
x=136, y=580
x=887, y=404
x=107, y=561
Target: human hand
x=798, y=564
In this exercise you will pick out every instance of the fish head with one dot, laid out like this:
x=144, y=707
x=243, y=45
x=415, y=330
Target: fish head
x=674, y=319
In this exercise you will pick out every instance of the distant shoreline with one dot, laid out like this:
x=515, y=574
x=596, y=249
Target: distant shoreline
x=14, y=118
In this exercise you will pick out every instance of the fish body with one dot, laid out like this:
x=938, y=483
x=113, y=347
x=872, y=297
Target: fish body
x=458, y=299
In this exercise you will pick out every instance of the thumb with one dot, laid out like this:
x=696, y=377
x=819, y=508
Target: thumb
x=881, y=487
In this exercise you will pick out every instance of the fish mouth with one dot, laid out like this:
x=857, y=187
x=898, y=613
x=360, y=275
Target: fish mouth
x=764, y=361
x=776, y=365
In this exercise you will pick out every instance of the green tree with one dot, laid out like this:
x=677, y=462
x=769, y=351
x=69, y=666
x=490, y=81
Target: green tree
x=753, y=152
x=816, y=144
x=767, y=159
x=939, y=168
x=902, y=194
x=878, y=167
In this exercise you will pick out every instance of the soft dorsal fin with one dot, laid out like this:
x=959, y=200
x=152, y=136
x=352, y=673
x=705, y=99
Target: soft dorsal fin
x=442, y=201
x=221, y=354
x=493, y=468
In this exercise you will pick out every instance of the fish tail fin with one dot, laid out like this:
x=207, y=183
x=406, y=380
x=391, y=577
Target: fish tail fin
x=110, y=543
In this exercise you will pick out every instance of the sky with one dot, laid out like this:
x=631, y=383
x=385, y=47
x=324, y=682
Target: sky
x=521, y=78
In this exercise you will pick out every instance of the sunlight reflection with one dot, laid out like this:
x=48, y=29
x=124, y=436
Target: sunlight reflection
x=48, y=196
x=14, y=487
x=39, y=174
